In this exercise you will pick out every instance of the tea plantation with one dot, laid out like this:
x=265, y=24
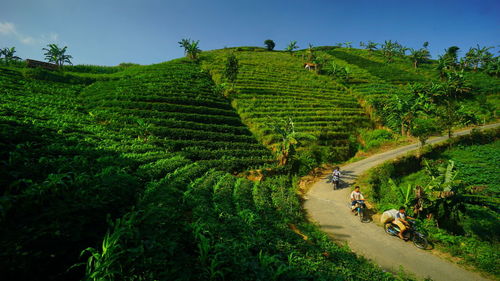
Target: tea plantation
x=132, y=166
x=135, y=172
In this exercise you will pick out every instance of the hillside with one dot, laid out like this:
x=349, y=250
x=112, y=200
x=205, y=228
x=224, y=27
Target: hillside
x=128, y=159
x=135, y=165
x=274, y=85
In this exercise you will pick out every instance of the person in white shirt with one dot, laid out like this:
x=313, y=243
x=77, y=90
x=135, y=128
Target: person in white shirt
x=336, y=177
x=357, y=198
x=401, y=221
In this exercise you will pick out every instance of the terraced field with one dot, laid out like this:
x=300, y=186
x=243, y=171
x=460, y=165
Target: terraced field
x=73, y=155
x=174, y=104
x=400, y=72
x=369, y=89
x=274, y=85
x=134, y=168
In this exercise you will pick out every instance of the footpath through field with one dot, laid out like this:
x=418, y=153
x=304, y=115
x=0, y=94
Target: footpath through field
x=330, y=209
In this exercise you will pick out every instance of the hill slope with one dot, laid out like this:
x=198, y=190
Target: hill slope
x=274, y=85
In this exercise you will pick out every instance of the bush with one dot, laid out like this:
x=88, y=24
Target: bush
x=56, y=76
x=372, y=139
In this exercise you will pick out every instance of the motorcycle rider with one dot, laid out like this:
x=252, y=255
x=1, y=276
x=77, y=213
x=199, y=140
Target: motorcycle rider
x=401, y=221
x=336, y=177
x=357, y=198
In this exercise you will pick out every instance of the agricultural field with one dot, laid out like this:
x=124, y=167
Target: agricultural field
x=274, y=85
x=126, y=174
x=137, y=172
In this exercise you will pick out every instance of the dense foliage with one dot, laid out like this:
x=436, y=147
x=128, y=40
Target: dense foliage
x=454, y=191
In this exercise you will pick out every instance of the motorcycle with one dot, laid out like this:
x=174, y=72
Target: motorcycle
x=418, y=239
x=359, y=209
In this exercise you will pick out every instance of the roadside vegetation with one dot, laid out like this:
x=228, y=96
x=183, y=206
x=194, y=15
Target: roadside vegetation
x=453, y=189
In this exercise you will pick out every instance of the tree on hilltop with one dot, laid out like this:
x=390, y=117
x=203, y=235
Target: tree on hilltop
x=8, y=55
x=269, y=44
x=370, y=46
x=419, y=56
x=292, y=46
x=191, y=49
x=57, y=55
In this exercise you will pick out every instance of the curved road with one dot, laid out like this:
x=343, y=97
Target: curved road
x=330, y=209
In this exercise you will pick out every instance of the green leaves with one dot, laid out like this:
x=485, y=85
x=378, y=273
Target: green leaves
x=8, y=55
x=291, y=47
x=191, y=49
x=57, y=55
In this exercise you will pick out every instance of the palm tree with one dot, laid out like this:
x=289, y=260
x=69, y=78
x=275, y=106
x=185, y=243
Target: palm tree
x=57, y=55
x=191, y=49
x=292, y=46
x=8, y=55
x=348, y=45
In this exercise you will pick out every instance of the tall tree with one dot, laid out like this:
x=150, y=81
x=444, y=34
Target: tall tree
x=57, y=55
x=191, y=49
x=269, y=44
x=8, y=55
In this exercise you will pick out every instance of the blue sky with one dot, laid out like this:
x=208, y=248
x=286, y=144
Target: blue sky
x=108, y=32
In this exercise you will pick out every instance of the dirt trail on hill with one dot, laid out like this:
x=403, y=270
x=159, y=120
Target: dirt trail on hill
x=330, y=209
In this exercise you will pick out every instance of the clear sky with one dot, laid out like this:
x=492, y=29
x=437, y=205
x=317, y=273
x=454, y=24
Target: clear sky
x=108, y=32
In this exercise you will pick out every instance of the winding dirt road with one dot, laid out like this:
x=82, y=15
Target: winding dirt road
x=330, y=209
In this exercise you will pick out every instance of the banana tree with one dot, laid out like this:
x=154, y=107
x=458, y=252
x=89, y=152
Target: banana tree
x=419, y=56
x=389, y=50
x=191, y=49
x=291, y=46
x=404, y=193
x=371, y=46
x=57, y=55
x=8, y=55
x=290, y=139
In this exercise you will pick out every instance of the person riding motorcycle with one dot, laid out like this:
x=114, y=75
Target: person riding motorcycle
x=336, y=177
x=401, y=221
x=357, y=198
